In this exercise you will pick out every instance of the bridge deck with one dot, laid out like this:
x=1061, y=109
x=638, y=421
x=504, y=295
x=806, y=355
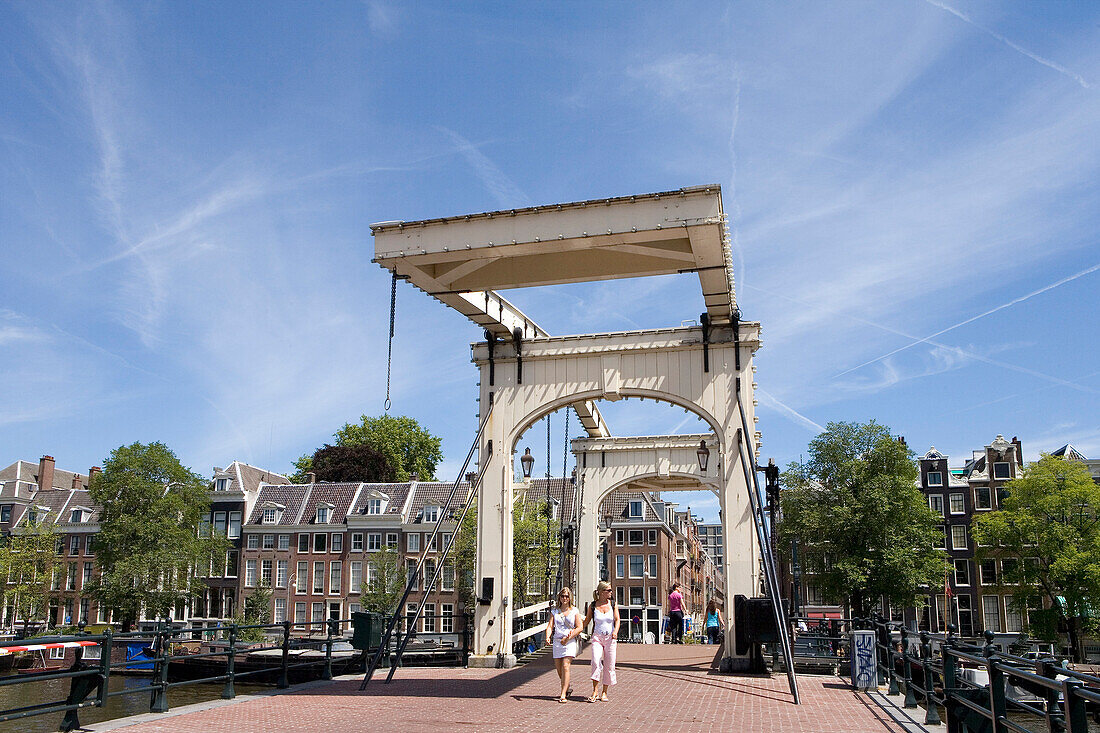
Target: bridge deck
x=660, y=688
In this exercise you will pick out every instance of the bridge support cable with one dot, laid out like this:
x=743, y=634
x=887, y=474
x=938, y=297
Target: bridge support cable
x=429, y=585
x=763, y=536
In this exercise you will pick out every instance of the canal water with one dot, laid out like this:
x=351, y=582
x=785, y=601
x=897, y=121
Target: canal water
x=120, y=706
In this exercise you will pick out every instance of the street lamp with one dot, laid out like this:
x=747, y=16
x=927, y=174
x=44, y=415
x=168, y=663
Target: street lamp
x=704, y=455
x=528, y=462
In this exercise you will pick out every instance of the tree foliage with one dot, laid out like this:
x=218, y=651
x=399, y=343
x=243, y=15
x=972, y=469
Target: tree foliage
x=1048, y=523
x=407, y=447
x=257, y=610
x=350, y=463
x=150, y=550
x=862, y=526
x=385, y=581
x=28, y=560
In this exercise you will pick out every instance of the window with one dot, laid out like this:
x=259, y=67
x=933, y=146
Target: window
x=636, y=509
x=299, y=611
x=653, y=566
x=374, y=541
x=318, y=578
x=412, y=542
x=320, y=542
x=322, y=515
x=265, y=572
x=231, y=563
x=76, y=517
x=637, y=566
x=74, y=544
x=55, y=583
x=219, y=523
x=5, y=512
x=620, y=595
x=89, y=543
x=280, y=573
x=234, y=525
x=935, y=478
x=318, y=612
x=447, y=577
x=958, y=536
x=941, y=537
x=991, y=613
x=446, y=539
x=57, y=653
x=652, y=538
x=268, y=542
x=280, y=611
x=271, y=515
x=432, y=542
x=356, y=541
x=534, y=580
x=620, y=536
x=284, y=542
x=431, y=514
x=391, y=540
x=337, y=542
x=221, y=484
x=429, y=569
x=252, y=541
x=935, y=503
x=1010, y=568
x=636, y=537
x=70, y=583
x=86, y=575
x=303, y=542
x=372, y=573
x=635, y=595
x=958, y=505
x=374, y=506
x=355, y=578
x=301, y=580
x=249, y=573
x=429, y=618
x=962, y=572
x=335, y=573
x=1013, y=619
x=982, y=498
x=447, y=623
x=1002, y=470
x=653, y=595
x=987, y=572
x=411, y=575
x=620, y=562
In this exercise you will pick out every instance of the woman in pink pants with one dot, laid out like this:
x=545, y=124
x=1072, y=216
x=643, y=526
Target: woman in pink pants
x=605, y=628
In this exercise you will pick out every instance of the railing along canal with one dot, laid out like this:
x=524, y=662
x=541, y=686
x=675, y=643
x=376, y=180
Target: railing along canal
x=89, y=677
x=942, y=671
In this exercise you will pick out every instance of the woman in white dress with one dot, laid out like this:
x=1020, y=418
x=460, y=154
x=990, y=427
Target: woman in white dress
x=562, y=631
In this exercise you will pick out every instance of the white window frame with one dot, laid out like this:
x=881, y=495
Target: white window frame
x=374, y=541
x=323, y=537
x=951, y=503
x=301, y=578
x=267, y=542
x=652, y=539
x=995, y=611
x=393, y=540
x=234, y=528
x=252, y=541
x=279, y=614
x=336, y=542
x=641, y=564
x=620, y=566
x=966, y=568
x=284, y=542
x=250, y=573
x=958, y=537
x=356, y=541
x=412, y=542
x=447, y=625
x=323, y=514
x=638, y=504
x=266, y=571
x=303, y=542
x=935, y=503
x=317, y=581
x=281, y=570
x=937, y=481
x=430, y=514
x=620, y=538
x=335, y=577
x=631, y=534
x=355, y=576
x=1007, y=471
x=428, y=618
x=374, y=506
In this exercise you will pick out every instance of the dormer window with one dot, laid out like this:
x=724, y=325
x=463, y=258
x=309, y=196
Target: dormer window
x=221, y=484
x=36, y=514
x=323, y=513
x=636, y=509
x=374, y=506
x=935, y=478
x=431, y=514
x=272, y=513
x=76, y=516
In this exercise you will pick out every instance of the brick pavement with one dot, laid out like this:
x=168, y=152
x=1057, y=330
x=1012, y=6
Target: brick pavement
x=660, y=687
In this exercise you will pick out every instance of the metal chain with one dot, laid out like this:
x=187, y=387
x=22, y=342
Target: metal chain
x=389, y=352
x=548, y=524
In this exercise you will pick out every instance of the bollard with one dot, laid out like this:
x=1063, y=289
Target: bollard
x=284, y=679
x=159, y=701
x=906, y=671
x=104, y=667
x=931, y=710
x=228, y=693
x=890, y=661
x=1076, y=715
x=326, y=674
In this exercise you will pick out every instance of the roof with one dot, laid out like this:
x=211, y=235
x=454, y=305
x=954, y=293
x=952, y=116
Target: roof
x=1070, y=453
x=396, y=494
x=243, y=477
x=28, y=472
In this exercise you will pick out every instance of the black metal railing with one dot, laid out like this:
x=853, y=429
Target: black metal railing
x=942, y=671
x=90, y=678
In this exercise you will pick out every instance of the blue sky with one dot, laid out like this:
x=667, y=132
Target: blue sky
x=186, y=191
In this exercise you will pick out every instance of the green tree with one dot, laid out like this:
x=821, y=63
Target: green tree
x=154, y=542
x=406, y=446
x=350, y=463
x=863, y=528
x=1048, y=523
x=383, y=586
x=28, y=560
x=257, y=610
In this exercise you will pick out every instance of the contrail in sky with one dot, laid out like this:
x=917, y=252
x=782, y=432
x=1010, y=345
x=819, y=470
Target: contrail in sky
x=1015, y=47
x=1009, y=304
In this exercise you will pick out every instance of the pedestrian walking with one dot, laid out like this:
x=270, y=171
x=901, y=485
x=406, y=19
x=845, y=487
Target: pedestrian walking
x=676, y=614
x=562, y=631
x=714, y=621
x=604, y=617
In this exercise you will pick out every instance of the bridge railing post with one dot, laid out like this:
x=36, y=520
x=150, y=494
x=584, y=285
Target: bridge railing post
x=159, y=701
x=332, y=629
x=997, y=704
x=906, y=671
x=950, y=682
x=467, y=627
x=931, y=709
x=284, y=678
x=228, y=693
x=104, y=667
x=1076, y=720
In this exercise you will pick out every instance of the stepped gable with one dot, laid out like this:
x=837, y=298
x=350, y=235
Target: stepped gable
x=289, y=496
x=339, y=496
x=396, y=493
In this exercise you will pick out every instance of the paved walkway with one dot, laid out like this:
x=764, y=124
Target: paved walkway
x=667, y=688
